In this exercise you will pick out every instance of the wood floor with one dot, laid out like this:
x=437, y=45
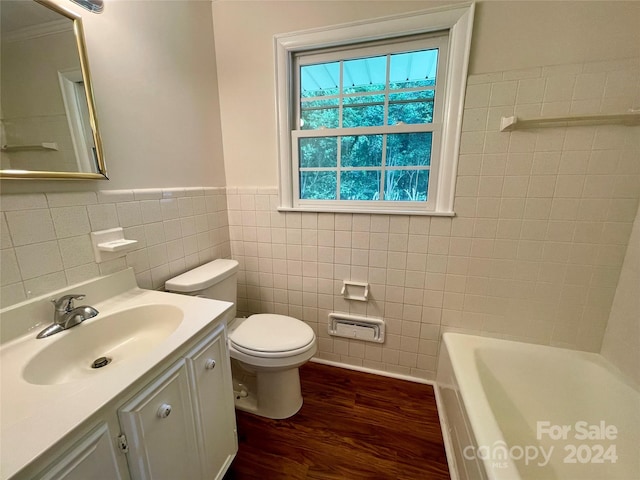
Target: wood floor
x=352, y=426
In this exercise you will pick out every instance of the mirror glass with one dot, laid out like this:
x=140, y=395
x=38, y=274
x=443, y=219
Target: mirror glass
x=48, y=125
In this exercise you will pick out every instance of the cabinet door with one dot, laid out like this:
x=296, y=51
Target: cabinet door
x=210, y=371
x=92, y=457
x=160, y=430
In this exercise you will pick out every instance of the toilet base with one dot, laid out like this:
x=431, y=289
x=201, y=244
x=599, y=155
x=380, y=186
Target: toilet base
x=273, y=395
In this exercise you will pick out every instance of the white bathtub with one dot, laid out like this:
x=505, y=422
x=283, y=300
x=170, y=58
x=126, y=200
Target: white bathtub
x=518, y=411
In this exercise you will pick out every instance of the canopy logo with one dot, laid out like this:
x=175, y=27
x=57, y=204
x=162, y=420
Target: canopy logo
x=499, y=453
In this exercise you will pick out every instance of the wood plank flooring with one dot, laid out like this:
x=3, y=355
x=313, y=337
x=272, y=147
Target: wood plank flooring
x=352, y=426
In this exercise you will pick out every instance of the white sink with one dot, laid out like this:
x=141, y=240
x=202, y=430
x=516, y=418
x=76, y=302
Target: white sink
x=47, y=386
x=120, y=337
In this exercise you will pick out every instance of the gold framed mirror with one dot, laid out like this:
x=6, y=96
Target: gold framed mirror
x=48, y=122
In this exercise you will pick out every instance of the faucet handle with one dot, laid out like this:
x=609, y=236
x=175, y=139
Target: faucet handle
x=65, y=303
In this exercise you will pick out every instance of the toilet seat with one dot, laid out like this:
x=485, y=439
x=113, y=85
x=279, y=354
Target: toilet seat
x=269, y=335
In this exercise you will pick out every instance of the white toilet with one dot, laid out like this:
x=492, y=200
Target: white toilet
x=266, y=349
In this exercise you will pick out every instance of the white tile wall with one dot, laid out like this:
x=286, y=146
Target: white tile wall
x=543, y=219
x=534, y=253
x=46, y=244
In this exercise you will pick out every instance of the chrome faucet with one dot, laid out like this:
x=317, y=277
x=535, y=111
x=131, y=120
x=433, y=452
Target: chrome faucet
x=65, y=315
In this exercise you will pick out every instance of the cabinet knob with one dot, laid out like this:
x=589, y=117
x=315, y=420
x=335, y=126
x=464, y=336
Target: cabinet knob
x=210, y=364
x=164, y=410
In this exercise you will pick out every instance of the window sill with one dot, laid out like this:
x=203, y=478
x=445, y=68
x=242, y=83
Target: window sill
x=367, y=211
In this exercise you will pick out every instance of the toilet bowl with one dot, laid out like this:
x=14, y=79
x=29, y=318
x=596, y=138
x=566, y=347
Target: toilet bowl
x=266, y=341
x=266, y=349
x=269, y=349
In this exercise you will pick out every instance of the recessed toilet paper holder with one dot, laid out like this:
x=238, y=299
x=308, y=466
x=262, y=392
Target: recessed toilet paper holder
x=355, y=290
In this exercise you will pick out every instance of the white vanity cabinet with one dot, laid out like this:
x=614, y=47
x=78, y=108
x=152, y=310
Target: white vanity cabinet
x=212, y=395
x=182, y=425
x=94, y=457
x=159, y=426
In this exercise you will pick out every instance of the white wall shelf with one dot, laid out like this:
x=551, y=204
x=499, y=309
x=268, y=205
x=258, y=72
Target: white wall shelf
x=508, y=124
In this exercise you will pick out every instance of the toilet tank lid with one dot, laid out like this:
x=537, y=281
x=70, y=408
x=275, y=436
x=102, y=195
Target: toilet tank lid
x=203, y=276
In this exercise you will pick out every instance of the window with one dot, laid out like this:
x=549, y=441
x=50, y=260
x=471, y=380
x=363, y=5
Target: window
x=370, y=114
x=367, y=121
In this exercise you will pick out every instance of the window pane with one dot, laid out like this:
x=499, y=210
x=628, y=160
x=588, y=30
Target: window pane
x=371, y=116
x=318, y=152
x=361, y=151
x=360, y=185
x=411, y=107
x=320, y=80
x=319, y=114
x=394, y=89
x=409, y=149
x=363, y=111
x=413, y=69
x=406, y=185
x=364, y=74
x=318, y=185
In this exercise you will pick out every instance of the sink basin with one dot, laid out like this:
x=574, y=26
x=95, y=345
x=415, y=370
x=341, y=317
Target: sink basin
x=120, y=337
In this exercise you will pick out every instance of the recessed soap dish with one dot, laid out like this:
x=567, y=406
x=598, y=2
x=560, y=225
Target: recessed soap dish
x=116, y=245
x=110, y=244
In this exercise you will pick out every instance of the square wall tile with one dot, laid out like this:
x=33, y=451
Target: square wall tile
x=103, y=216
x=503, y=93
x=129, y=214
x=70, y=221
x=76, y=251
x=30, y=226
x=39, y=259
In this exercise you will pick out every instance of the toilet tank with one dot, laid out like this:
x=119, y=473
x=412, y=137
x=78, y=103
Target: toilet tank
x=216, y=280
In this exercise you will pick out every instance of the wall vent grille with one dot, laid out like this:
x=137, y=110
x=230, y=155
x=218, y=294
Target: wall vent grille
x=356, y=327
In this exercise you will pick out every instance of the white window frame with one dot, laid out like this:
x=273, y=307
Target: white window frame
x=458, y=21
x=432, y=42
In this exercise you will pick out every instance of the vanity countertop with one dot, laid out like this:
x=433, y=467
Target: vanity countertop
x=35, y=417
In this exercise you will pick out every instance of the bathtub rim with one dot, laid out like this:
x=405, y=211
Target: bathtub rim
x=481, y=417
x=475, y=402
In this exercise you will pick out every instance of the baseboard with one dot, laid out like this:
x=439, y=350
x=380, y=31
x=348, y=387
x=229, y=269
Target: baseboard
x=373, y=371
